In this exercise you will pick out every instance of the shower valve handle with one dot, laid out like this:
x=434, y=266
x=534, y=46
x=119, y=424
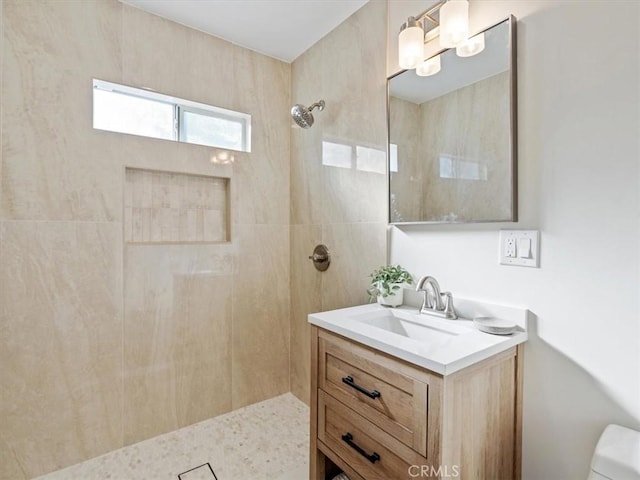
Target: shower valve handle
x=321, y=258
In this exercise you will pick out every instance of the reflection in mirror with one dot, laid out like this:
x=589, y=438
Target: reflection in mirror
x=452, y=136
x=339, y=153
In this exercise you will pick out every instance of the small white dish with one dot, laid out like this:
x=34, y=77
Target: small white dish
x=494, y=326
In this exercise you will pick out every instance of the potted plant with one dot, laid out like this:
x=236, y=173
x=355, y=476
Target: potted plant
x=387, y=283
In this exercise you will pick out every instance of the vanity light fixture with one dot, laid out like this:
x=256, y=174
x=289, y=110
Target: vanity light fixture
x=471, y=47
x=454, y=23
x=411, y=41
x=451, y=27
x=429, y=67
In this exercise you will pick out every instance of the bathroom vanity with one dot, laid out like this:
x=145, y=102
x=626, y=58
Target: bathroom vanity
x=398, y=395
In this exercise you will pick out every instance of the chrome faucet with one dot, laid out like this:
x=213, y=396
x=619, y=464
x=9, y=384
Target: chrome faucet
x=432, y=303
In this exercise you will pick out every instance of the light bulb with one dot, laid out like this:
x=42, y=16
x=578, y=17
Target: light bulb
x=454, y=23
x=471, y=47
x=410, y=44
x=429, y=67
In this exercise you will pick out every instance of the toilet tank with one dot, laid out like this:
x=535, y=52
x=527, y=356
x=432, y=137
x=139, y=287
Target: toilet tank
x=617, y=455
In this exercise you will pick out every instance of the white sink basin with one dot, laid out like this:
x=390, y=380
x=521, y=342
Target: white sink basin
x=417, y=327
x=437, y=344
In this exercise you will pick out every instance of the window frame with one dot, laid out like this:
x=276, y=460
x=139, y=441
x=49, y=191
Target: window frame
x=180, y=106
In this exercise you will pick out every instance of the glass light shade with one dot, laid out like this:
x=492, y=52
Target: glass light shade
x=454, y=23
x=471, y=47
x=410, y=45
x=429, y=67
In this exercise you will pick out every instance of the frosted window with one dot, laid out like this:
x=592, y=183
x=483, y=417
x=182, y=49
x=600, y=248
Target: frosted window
x=205, y=129
x=119, y=108
x=118, y=112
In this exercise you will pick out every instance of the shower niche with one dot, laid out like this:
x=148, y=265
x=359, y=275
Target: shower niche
x=168, y=207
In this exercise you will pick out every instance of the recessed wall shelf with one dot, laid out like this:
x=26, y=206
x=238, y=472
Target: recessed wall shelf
x=166, y=207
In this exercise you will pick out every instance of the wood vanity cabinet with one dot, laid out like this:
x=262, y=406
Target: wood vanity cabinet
x=376, y=417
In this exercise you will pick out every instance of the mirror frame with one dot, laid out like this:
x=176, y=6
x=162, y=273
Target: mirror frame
x=513, y=133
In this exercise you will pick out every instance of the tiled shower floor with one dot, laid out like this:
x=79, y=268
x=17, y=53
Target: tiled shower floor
x=265, y=441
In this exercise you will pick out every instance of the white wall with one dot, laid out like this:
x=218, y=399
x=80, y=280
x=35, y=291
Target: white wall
x=579, y=178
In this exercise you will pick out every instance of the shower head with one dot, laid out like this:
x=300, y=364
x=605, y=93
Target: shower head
x=302, y=115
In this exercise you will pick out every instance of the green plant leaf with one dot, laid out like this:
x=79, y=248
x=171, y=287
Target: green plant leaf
x=388, y=279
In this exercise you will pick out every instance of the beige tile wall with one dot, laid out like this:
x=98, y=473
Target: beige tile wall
x=55, y=166
x=177, y=336
x=61, y=344
x=345, y=208
x=260, y=366
x=105, y=343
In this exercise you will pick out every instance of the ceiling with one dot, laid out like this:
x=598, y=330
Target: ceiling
x=283, y=29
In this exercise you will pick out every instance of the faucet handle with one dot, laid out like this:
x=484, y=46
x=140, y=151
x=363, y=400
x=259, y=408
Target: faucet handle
x=449, y=310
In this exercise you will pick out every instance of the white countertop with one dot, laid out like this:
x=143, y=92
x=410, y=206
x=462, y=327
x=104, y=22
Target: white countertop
x=456, y=344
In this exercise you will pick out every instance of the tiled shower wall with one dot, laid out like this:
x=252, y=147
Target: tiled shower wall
x=338, y=182
x=105, y=343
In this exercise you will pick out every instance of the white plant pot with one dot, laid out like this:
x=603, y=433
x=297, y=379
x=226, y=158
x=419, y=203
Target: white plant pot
x=393, y=300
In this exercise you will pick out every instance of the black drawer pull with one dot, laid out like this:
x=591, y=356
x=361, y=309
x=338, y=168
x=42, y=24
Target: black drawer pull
x=348, y=439
x=349, y=381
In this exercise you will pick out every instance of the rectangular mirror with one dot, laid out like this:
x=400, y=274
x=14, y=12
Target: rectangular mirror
x=452, y=136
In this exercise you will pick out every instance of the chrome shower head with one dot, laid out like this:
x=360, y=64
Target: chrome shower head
x=302, y=115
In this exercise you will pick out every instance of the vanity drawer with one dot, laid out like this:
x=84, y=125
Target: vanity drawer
x=370, y=451
x=390, y=393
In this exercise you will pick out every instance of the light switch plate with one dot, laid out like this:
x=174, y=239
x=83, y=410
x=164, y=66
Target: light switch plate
x=512, y=243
